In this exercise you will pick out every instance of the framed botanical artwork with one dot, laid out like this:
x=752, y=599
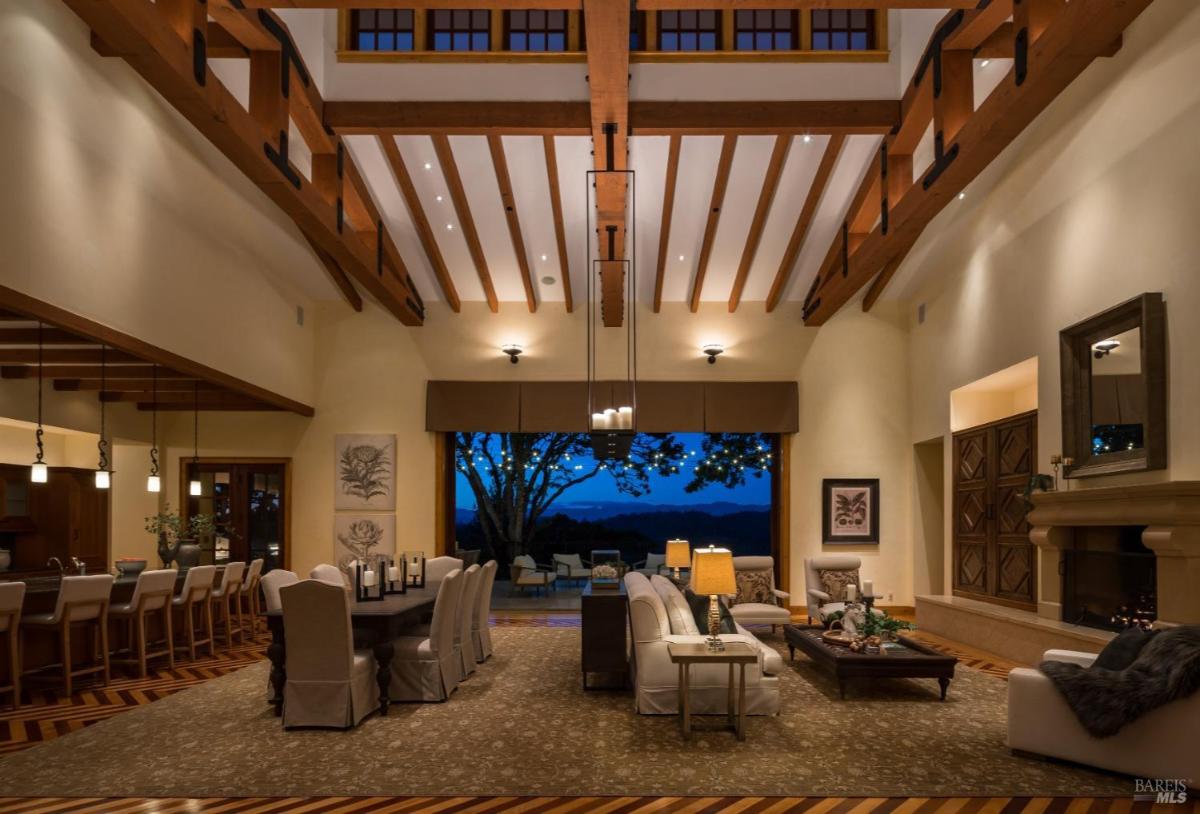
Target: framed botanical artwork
x=362, y=537
x=850, y=510
x=365, y=472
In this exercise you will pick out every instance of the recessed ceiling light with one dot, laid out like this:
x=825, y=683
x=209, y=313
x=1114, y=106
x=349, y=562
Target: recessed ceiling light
x=681, y=258
x=807, y=139
x=962, y=195
x=543, y=258
x=428, y=166
x=439, y=199
x=450, y=226
x=984, y=63
x=548, y=280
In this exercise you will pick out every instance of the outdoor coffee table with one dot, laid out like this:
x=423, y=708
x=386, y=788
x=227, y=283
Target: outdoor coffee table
x=911, y=660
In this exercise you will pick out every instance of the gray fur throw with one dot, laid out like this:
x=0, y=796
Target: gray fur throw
x=1167, y=669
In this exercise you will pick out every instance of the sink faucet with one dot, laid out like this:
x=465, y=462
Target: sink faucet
x=79, y=565
x=58, y=562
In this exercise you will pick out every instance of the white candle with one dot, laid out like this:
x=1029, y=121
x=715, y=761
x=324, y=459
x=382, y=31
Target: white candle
x=851, y=590
x=369, y=579
x=597, y=421
x=610, y=419
x=625, y=418
x=868, y=588
x=393, y=574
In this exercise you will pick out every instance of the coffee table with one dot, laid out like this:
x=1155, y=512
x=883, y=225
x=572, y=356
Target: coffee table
x=912, y=660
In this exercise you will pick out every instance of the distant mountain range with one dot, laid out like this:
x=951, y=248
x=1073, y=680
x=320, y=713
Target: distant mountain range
x=606, y=510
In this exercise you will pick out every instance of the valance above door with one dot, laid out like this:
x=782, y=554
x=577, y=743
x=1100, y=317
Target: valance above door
x=457, y=406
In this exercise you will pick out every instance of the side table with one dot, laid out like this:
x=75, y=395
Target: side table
x=737, y=654
x=604, y=614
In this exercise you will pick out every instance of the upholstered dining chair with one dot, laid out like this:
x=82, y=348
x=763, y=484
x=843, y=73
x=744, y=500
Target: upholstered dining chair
x=195, y=610
x=330, y=574
x=249, y=595
x=758, y=601
x=272, y=583
x=464, y=644
x=151, y=596
x=226, y=600
x=437, y=568
x=426, y=668
x=481, y=632
x=82, y=601
x=329, y=683
x=12, y=597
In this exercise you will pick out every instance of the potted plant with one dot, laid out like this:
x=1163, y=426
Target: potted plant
x=178, y=539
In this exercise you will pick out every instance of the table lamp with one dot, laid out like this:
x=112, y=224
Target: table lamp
x=679, y=555
x=712, y=574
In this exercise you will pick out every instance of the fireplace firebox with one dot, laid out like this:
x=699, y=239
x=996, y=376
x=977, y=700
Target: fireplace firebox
x=1109, y=579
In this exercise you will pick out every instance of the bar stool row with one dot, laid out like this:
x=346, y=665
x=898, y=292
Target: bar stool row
x=83, y=608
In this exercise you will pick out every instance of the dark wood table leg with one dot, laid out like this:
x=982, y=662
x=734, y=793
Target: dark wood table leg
x=277, y=653
x=944, y=683
x=842, y=688
x=792, y=652
x=384, y=651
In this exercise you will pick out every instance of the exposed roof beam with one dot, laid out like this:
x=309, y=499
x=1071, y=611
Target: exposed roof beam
x=441, y=145
x=48, y=336
x=648, y=5
x=509, y=202
x=804, y=221
x=664, y=231
x=646, y=117
x=63, y=356
x=123, y=371
x=417, y=212
x=765, y=198
x=720, y=183
x=979, y=24
x=337, y=276
x=570, y=5
x=207, y=398
x=135, y=385
x=998, y=45
x=560, y=232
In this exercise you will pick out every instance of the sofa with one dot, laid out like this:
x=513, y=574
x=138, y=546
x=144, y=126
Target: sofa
x=1160, y=744
x=658, y=615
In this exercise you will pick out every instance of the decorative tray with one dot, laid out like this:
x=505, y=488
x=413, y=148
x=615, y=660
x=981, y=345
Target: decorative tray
x=837, y=637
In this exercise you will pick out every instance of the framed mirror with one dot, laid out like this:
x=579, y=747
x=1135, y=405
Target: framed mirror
x=1114, y=393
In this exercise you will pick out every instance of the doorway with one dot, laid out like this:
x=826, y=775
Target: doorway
x=929, y=550
x=248, y=499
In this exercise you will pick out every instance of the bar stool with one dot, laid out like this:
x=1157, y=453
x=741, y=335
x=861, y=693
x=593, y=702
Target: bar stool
x=193, y=596
x=249, y=594
x=81, y=601
x=12, y=597
x=227, y=598
x=151, y=595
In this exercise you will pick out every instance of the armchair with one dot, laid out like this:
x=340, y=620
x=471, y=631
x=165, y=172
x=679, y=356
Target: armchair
x=526, y=573
x=653, y=564
x=822, y=605
x=572, y=567
x=758, y=601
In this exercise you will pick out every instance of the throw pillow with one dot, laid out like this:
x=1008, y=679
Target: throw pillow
x=679, y=612
x=754, y=586
x=1123, y=650
x=699, y=606
x=834, y=583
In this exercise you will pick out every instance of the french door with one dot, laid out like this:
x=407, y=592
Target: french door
x=249, y=503
x=994, y=559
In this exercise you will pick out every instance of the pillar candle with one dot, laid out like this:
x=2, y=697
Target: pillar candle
x=393, y=574
x=868, y=588
x=368, y=579
x=625, y=418
x=851, y=592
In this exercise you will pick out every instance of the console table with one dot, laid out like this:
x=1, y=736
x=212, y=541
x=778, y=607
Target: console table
x=604, y=614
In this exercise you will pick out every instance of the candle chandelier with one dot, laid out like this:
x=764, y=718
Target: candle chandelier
x=38, y=473
x=153, y=481
x=103, y=469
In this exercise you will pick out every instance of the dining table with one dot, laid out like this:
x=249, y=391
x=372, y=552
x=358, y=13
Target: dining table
x=376, y=623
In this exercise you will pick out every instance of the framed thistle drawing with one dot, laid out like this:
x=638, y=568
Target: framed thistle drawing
x=850, y=511
x=362, y=537
x=366, y=472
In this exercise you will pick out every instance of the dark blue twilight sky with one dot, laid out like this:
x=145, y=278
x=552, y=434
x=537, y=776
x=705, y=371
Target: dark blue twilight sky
x=668, y=490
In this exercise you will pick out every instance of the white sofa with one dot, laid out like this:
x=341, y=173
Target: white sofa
x=1160, y=744
x=656, y=679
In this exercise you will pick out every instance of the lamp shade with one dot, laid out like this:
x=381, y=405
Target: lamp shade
x=712, y=571
x=679, y=554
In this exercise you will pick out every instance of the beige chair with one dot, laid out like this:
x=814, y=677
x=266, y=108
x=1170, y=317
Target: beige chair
x=330, y=574
x=481, y=632
x=571, y=567
x=437, y=568
x=758, y=601
x=426, y=668
x=226, y=600
x=249, y=595
x=195, y=610
x=821, y=604
x=82, y=601
x=653, y=564
x=464, y=643
x=12, y=597
x=151, y=595
x=329, y=683
x=526, y=573
x=272, y=583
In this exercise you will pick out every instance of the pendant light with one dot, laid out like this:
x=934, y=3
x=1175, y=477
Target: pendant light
x=153, y=481
x=38, y=472
x=195, y=488
x=103, y=473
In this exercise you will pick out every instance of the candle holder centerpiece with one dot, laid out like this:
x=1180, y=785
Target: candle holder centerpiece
x=396, y=573
x=414, y=569
x=368, y=582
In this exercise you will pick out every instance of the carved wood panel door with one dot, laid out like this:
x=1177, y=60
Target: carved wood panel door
x=993, y=557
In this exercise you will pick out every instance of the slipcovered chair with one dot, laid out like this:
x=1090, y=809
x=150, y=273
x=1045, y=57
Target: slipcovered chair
x=571, y=567
x=272, y=583
x=656, y=678
x=463, y=642
x=653, y=564
x=330, y=574
x=249, y=594
x=426, y=668
x=329, y=683
x=758, y=601
x=81, y=601
x=152, y=594
x=526, y=573
x=12, y=597
x=227, y=598
x=481, y=632
x=197, y=587
x=821, y=603
x=437, y=568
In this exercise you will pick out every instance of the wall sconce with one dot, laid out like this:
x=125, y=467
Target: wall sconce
x=514, y=351
x=713, y=350
x=1104, y=347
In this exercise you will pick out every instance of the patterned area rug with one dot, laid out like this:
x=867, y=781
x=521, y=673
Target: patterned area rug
x=521, y=725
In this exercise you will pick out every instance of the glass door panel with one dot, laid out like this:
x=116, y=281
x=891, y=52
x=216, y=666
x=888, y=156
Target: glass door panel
x=247, y=502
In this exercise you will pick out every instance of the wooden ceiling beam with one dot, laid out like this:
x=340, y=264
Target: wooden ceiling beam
x=765, y=198
x=142, y=386
x=509, y=202
x=206, y=397
x=978, y=24
x=1071, y=36
x=121, y=371
x=458, y=195
x=998, y=45
x=568, y=5
x=804, y=221
x=643, y=5
x=664, y=231
x=48, y=336
x=227, y=406
x=63, y=356
x=338, y=277
x=560, y=232
x=659, y=5
x=720, y=184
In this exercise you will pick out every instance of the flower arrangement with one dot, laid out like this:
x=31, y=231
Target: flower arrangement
x=604, y=572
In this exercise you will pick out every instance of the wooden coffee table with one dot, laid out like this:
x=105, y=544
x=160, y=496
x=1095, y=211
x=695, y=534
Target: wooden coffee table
x=912, y=660
x=735, y=653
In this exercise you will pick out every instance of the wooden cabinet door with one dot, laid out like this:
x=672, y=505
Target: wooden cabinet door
x=993, y=557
